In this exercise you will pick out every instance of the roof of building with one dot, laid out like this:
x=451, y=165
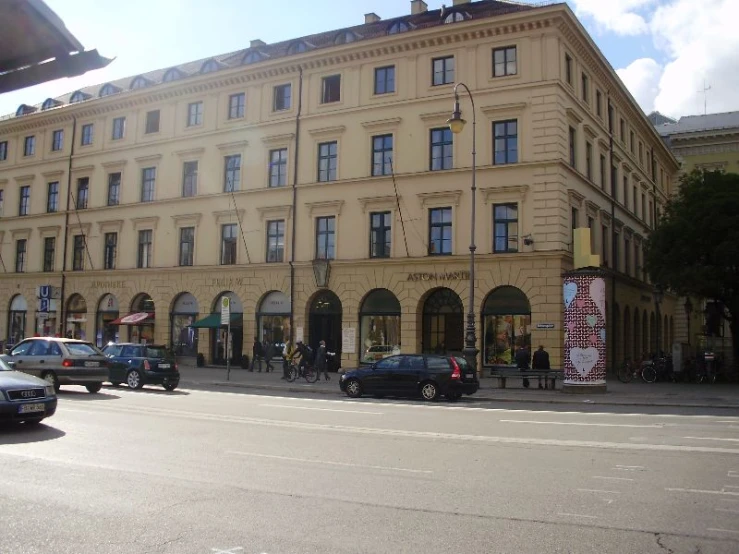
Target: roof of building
x=700, y=123
x=258, y=51
x=660, y=119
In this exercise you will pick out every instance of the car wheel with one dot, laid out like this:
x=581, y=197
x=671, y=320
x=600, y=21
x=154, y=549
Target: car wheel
x=429, y=391
x=94, y=387
x=133, y=379
x=353, y=388
x=51, y=378
x=170, y=386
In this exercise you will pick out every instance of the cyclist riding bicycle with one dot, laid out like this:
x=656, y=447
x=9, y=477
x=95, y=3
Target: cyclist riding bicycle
x=304, y=354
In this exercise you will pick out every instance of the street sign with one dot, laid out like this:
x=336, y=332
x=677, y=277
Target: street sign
x=225, y=310
x=44, y=305
x=44, y=291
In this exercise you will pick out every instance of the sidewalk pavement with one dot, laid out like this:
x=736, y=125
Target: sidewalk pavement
x=623, y=394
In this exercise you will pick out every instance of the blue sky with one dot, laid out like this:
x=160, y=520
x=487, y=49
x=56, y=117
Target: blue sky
x=643, y=39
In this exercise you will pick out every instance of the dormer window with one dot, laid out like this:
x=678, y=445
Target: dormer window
x=253, y=56
x=345, y=37
x=454, y=17
x=108, y=89
x=210, y=66
x=78, y=96
x=24, y=109
x=297, y=47
x=50, y=103
x=140, y=82
x=398, y=27
x=173, y=74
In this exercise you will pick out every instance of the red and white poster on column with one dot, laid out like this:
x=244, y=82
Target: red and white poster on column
x=585, y=329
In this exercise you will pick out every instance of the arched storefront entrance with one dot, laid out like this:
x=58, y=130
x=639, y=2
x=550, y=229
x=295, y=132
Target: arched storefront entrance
x=506, y=322
x=324, y=323
x=273, y=318
x=107, y=312
x=379, y=326
x=17, y=320
x=140, y=321
x=184, y=313
x=443, y=323
x=221, y=343
x=76, y=317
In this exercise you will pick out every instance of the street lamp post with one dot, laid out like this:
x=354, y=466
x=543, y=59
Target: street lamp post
x=456, y=124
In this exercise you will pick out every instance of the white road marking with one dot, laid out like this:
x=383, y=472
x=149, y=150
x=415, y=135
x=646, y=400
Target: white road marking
x=599, y=491
x=729, y=510
x=228, y=550
x=628, y=468
x=612, y=478
x=578, y=424
x=703, y=491
x=319, y=409
x=711, y=439
x=733, y=473
x=722, y=530
x=324, y=462
x=576, y=515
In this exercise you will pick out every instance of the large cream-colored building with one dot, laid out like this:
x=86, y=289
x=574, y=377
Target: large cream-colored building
x=143, y=201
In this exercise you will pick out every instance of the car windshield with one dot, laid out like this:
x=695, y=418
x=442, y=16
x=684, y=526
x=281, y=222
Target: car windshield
x=156, y=352
x=82, y=349
x=4, y=366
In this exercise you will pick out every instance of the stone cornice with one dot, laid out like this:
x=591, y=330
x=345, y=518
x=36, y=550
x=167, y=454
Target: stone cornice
x=275, y=212
x=490, y=193
x=378, y=202
x=440, y=197
x=328, y=206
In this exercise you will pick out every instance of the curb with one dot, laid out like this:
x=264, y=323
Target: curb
x=311, y=390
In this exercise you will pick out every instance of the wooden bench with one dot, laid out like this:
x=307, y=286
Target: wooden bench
x=514, y=373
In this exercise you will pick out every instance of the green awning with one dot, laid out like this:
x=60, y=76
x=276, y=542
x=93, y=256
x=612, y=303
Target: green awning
x=213, y=321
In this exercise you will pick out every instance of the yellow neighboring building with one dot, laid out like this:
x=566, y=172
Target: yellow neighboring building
x=316, y=183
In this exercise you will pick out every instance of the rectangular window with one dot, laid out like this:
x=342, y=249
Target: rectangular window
x=641, y=154
x=616, y=257
x=651, y=214
x=627, y=256
x=278, y=167
x=585, y=89
x=614, y=182
x=604, y=244
x=232, y=173
x=382, y=155
x=282, y=94
x=568, y=69
x=575, y=217
x=643, y=207
x=385, y=79
x=327, y=160
x=505, y=135
x=331, y=89
x=622, y=130
x=114, y=189
x=602, y=171
x=119, y=128
x=78, y=253
x=152, y=122
x=236, y=105
x=20, y=256
x=29, y=146
x=573, y=147
x=626, y=192
x=440, y=231
x=441, y=149
x=505, y=227
x=634, y=199
x=148, y=181
x=380, y=234
x=504, y=61
x=589, y=161
x=326, y=238
x=442, y=71
x=49, y=251
x=86, y=134
x=144, y=253
x=111, y=250
x=632, y=146
x=591, y=226
x=187, y=245
x=57, y=140
x=194, y=114
x=25, y=200
x=3, y=150
x=2, y=201
x=189, y=179
x=598, y=103
x=83, y=193
x=52, y=197
x=228, y=244
x=275, y=241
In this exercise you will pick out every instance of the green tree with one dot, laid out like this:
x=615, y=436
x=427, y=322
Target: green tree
x=694, y=249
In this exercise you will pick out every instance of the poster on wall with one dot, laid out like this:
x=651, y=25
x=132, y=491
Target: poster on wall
x=298, y=334
x=349, y=340
x=585, y=329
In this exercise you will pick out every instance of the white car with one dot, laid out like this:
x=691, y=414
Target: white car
x=378, y=352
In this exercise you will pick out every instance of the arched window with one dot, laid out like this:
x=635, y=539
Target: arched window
x=398, y=27
x=297, y=47
x=345, y=37
x=78, y=96
x=172, y=74
x=379, y=326
x=443, y=322
x=506, y=325
x=139, y=82
x=209, y=66
x=108, y=89
x=50, y=103
x=24, y=109
x=253, y=56
x=457, y=16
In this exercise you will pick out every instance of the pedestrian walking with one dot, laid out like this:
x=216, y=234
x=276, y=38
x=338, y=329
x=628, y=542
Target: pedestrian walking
x=320, y=365
x=540, y=361
x=257, y=352
x=269, y=353
x=523, y=361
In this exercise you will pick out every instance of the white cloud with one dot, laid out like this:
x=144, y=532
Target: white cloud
x=619, y=16
x=642, y=78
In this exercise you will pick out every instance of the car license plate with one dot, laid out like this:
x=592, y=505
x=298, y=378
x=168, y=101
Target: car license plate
x=470, y=376
x=92, y=364
x=164, y=366
x=27, y=408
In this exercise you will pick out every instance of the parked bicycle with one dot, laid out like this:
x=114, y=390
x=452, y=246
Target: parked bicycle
x=646, y=369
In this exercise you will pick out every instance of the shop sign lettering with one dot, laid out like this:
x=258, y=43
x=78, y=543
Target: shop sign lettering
x=227, y=282
x=444, y=276
x=108, y=284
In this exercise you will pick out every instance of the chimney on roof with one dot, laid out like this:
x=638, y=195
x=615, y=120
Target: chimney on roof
x=256, y=42
x=371, y=17
x=418, y=6
x=460, y=2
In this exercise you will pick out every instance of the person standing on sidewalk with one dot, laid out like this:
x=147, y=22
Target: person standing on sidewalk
x=257, y=352
x=269, y=353
x=523, y=361
x=320, y=365
x=541, y=361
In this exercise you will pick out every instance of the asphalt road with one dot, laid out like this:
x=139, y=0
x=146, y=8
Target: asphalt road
x=221, y=472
